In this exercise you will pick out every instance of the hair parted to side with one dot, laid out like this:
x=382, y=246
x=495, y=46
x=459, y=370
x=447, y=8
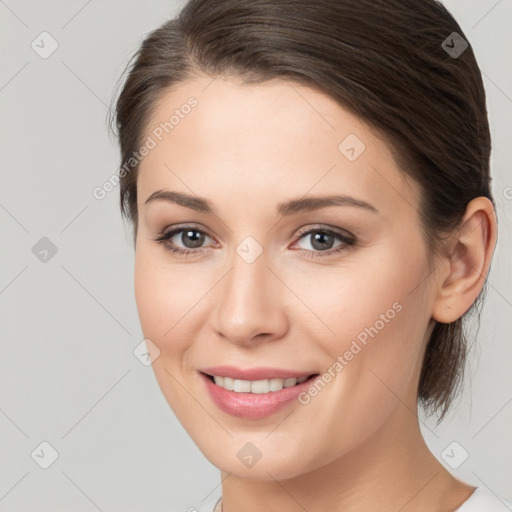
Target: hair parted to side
x=382, y=60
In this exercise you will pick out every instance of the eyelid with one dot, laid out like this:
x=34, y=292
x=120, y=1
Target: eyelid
x=167, y=233
x=176, y=228
x=302, y=231
x=347, y=238
x=324, y=227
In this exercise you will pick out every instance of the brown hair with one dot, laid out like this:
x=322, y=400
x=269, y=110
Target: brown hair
x=386, y=61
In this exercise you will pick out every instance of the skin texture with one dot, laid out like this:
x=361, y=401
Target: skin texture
x=357, y=444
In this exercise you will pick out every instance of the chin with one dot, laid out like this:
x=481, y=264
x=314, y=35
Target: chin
x=266, y=469
x=259, y=457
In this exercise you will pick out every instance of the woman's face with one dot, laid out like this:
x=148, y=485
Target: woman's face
x=277, y=284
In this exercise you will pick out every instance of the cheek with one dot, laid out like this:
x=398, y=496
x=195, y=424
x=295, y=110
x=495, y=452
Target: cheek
x=163, y=298
x=374, y=361
x=368, y=297
x=378, y=315
x=148, y=297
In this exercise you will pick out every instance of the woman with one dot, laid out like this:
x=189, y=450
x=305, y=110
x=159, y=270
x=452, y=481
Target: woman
x=253, y=132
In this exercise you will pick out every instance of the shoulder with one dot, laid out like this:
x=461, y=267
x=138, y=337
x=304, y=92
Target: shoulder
x=205, y=506
x=483, y=500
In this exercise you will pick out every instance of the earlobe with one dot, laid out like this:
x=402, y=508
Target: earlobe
x=468, y=259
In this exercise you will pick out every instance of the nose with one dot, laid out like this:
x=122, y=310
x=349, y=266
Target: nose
x=250, y=303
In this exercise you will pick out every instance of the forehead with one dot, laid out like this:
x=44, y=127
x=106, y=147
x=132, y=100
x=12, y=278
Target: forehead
x=268, y=139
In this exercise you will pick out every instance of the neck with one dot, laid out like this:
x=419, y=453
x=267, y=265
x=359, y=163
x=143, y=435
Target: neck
x=393, y=470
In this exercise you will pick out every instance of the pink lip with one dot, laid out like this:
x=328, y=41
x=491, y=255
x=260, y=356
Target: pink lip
x=260, y=373
x=253, y=405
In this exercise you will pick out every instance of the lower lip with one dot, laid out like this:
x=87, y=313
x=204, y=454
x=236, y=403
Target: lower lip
x=254, y=405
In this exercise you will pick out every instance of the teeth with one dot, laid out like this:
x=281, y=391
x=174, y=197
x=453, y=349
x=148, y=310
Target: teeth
x=242, y=386
x=259, y=386
x=256, y=386
x=275, y=384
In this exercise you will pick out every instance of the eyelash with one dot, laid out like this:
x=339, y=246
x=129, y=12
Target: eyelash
x=348, y=241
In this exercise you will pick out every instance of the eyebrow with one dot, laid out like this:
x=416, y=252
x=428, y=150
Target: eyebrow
x=291, y=207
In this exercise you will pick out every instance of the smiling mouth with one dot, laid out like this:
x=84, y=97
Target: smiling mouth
x=257, y=386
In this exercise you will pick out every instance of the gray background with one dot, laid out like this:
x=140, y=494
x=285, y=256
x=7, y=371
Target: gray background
x=69, y=325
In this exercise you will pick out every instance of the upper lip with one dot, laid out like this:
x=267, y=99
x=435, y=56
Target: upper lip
x=259, y=373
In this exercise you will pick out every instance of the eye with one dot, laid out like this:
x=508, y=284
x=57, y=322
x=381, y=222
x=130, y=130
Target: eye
x=191, y=237
x=323, y=239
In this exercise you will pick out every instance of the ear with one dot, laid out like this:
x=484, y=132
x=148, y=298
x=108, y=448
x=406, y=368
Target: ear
x=466, y=261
